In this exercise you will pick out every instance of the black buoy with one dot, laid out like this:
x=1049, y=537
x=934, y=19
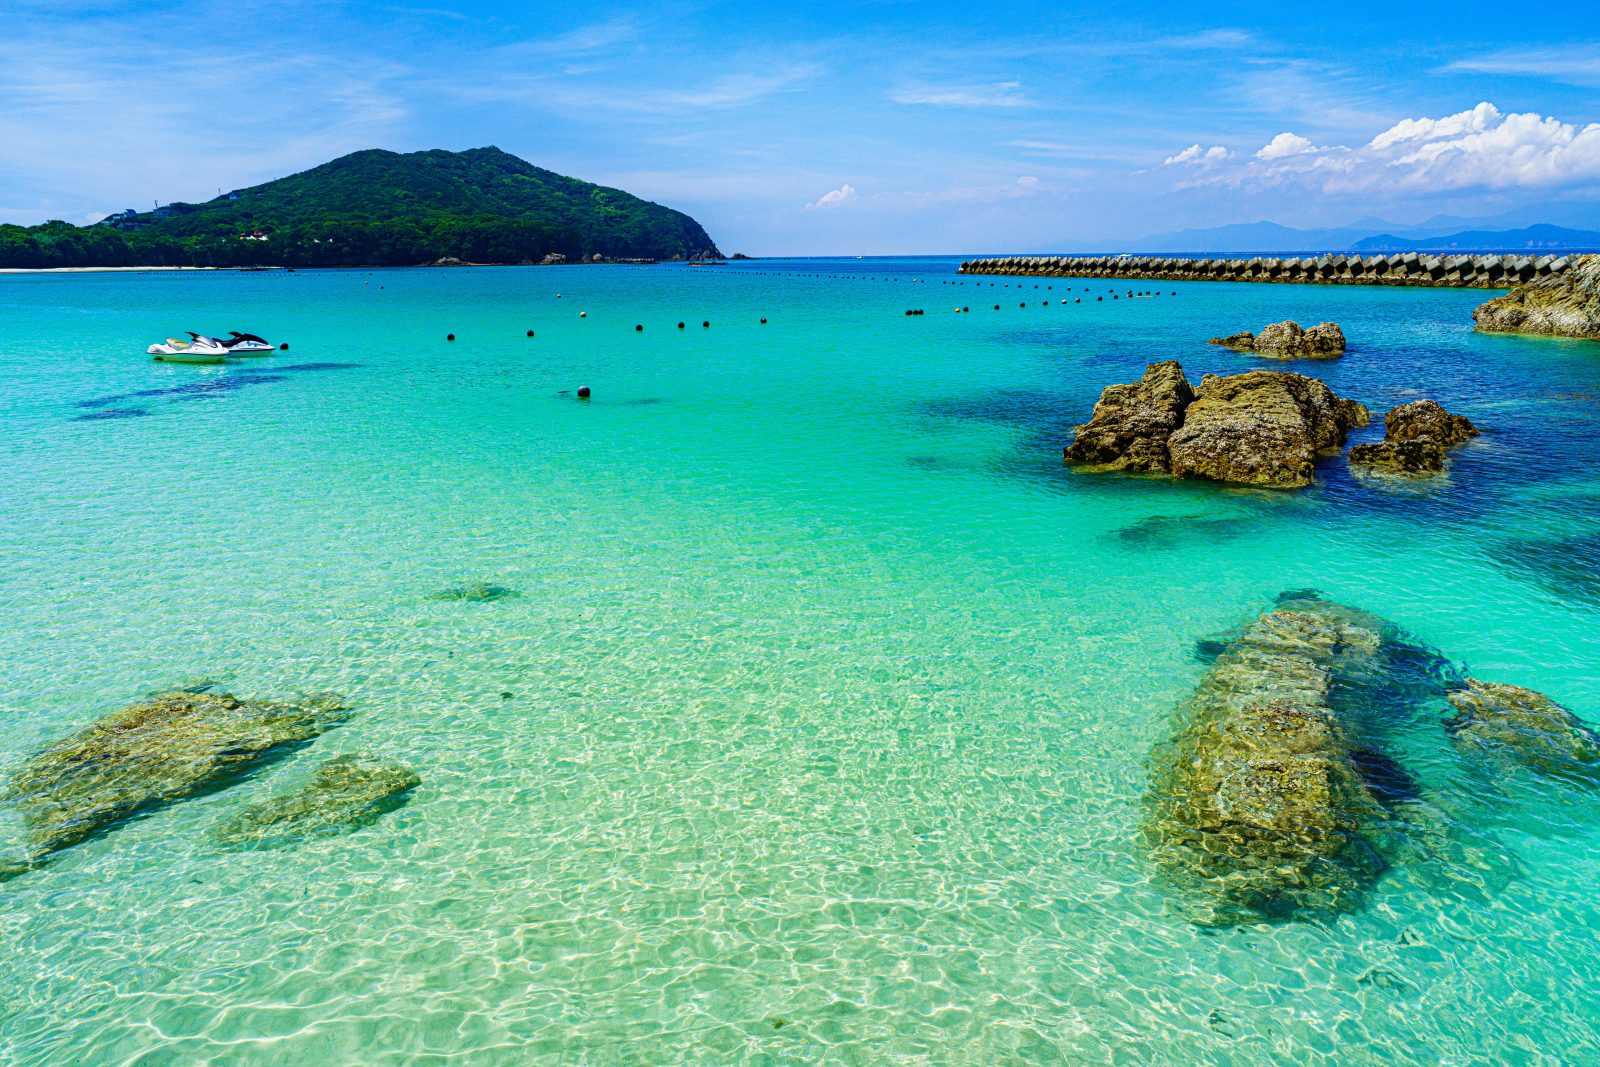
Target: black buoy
x=530, y=333
x=284, y=347
x=638, y=328
x=763, y=322
x=680, y=325
x=449, y=337
x=583, y=392
x=706, y=323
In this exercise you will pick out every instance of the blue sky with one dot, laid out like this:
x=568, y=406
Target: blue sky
x=858, y=128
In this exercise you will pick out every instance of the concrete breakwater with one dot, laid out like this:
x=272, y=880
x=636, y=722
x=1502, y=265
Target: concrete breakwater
x=1410, y=268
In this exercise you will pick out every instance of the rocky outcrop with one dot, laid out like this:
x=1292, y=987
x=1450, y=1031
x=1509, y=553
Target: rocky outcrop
x=1286, y=340
x=1416, y=437
x=1258, y=806
x=1131, y=423
x=344, y=794
x=1264, y=428
x=1506, y=723
x=1558, y=305
x=153, y=753
x=477, y=592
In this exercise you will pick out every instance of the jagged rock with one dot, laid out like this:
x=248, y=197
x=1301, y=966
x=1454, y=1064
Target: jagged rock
x=1286, y=340
x=1426, y=418
x=345, y=793
x=1131, y=423
x=1558, y=305
x=1263, y=428
x=1416, y=436
x=1257, y=805
x=150, y=754
x=1244, y=341
x=480, y=592
x=1400, y=457
x=1507, y=722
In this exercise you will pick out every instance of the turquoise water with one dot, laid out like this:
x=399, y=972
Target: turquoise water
x=818, y=731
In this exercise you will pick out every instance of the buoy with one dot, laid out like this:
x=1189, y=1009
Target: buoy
x=638, y=328
x=530, y=333
x=680, y=325
x=284, y=347
x=583, y=392
x=706, y=323
x=583, y=314
x=997, y=307
x=763, y=322
x=449, y=337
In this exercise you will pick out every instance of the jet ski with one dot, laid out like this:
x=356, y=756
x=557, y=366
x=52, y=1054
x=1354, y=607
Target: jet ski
x=200, y=350
x=246, y=344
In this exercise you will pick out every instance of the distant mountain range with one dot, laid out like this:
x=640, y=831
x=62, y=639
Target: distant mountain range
x=380, y=208
x=1371, y=235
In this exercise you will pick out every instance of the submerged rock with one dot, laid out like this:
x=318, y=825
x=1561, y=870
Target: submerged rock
x=345, y=793
x=161, y=750
x=1131, y=423
x=1507, y=722
x=1400, y=457
x=1259, y=805
x=1557, y=305
x=1416, y=436
x=480, y=592
x=1263, y=428
x=1286, y=340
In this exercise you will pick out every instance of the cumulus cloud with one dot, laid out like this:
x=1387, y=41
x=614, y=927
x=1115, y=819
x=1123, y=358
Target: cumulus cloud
x=1481, y=147
x=842, y=195
x=1197, y=155
x=1285, y=145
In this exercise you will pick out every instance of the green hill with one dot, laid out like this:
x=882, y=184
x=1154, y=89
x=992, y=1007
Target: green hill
x=378, y=207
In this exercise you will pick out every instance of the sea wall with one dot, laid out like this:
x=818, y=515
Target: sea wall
x=1410, y=268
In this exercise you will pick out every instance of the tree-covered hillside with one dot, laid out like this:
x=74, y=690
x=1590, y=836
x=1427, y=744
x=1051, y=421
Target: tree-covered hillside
x=377, y=207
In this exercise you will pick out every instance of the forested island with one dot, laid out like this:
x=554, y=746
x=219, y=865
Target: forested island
x=377, y=208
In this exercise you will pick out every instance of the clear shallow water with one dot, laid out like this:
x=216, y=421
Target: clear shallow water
x=830, y=690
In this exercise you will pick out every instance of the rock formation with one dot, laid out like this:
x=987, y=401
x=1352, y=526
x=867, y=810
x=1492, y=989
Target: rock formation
x=1557, y=305
x=1416, y=436
x=1264, y=428
x=1131, y=423
x=164, y=749
x=1286, y=340
x=1257, y=805
x=1508, y=723
x=345, y=793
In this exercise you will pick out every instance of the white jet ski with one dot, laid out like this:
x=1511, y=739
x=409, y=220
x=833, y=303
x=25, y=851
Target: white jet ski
x=200, y=350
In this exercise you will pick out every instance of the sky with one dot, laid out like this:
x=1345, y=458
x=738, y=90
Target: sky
x=873, y=127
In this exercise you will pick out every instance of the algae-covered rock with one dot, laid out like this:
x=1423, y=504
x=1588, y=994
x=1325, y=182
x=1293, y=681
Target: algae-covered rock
x=1263, y=428
x=344, y=793
x=1427, y=419
x=1286, y=340
x=160, y=750
x=1131, y=423
x=1416, y=436
x=1507, y=722
x=478, y=592
x=1557, y=305
x=1258, y=806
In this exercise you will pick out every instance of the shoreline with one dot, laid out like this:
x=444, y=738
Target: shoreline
x=108, y=270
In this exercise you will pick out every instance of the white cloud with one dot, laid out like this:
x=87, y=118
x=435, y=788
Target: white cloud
x=1477, y=148
x=1577, y=65
x=1285, y=145
x=838, y=197
x=1000, y=94
x=1197, y=155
